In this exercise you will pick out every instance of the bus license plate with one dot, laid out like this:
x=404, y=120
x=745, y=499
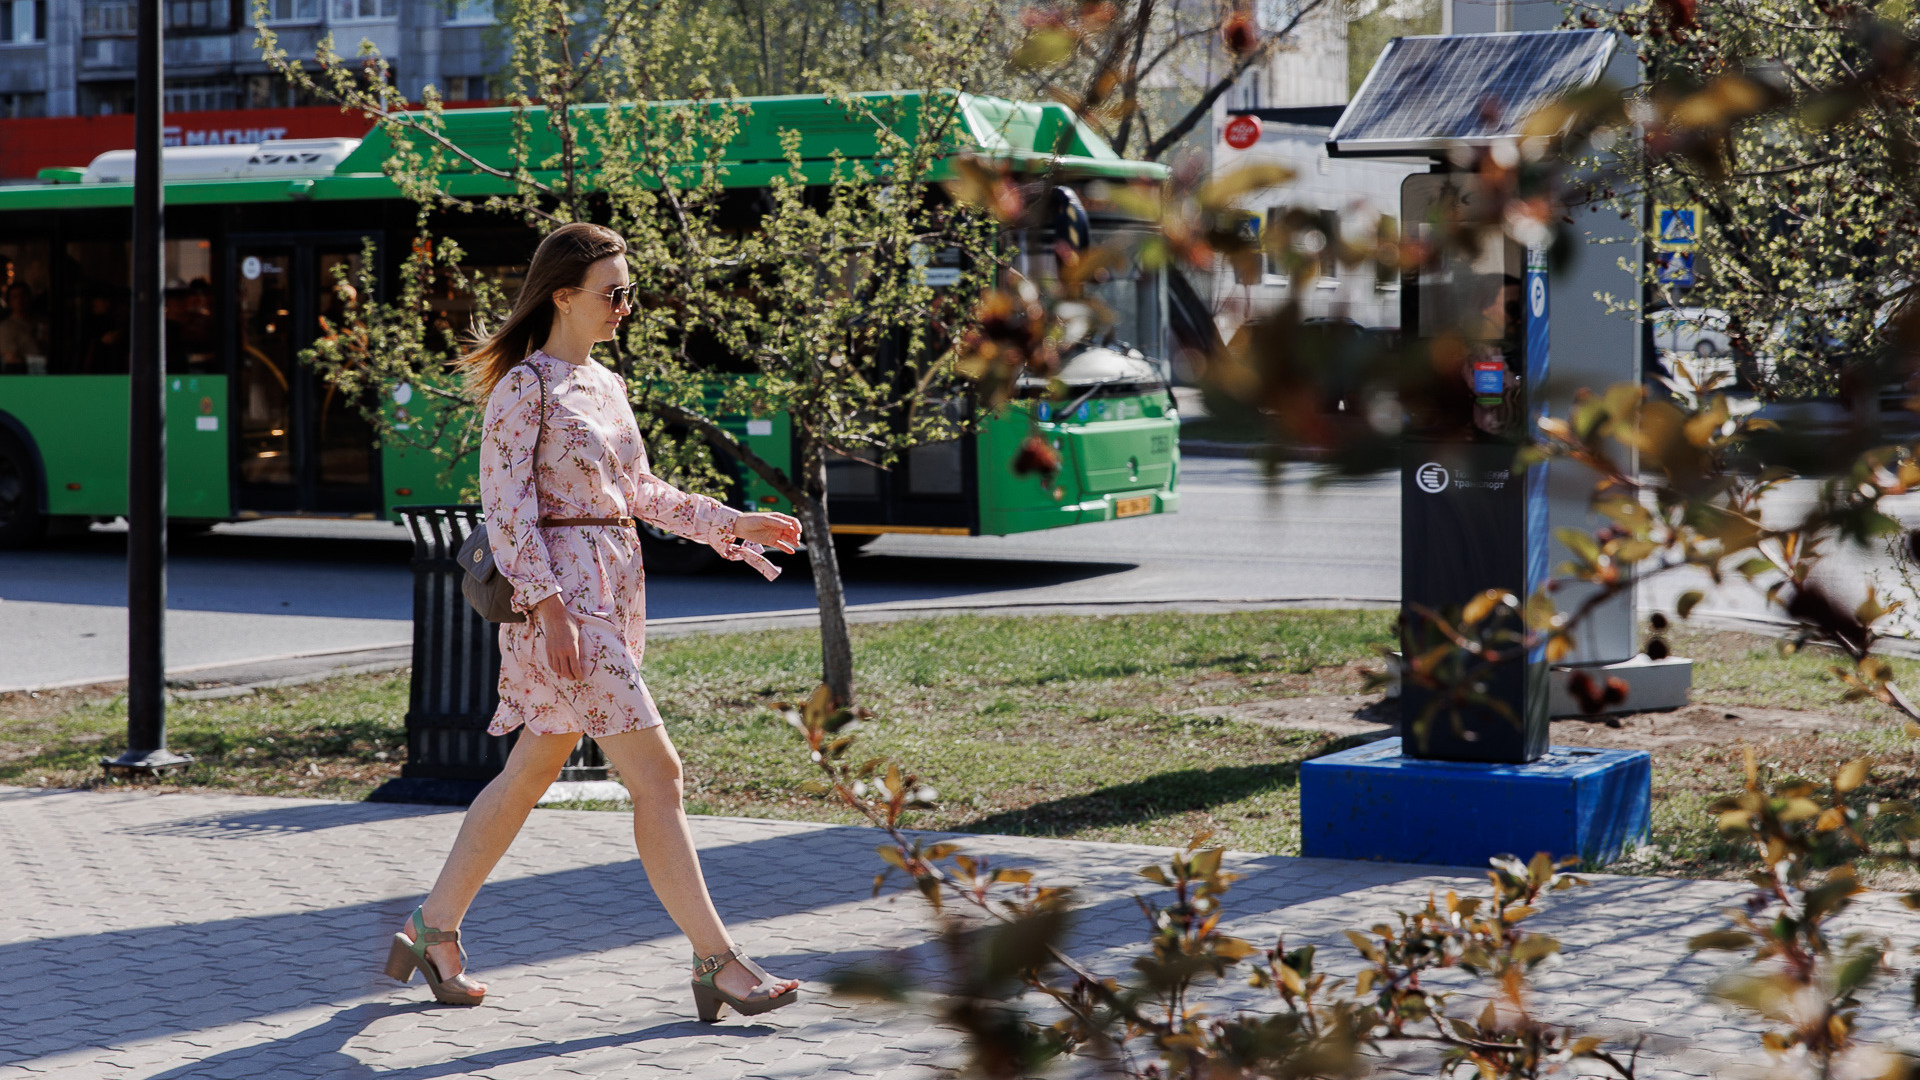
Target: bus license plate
x=1134, y=507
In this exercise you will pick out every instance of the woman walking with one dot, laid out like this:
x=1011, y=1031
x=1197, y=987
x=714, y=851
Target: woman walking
x=563, y=475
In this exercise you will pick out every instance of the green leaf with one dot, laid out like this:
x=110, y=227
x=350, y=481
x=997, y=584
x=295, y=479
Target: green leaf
x=1688, y=600
x=1852, y=774
x=1207, y=863
x=1366, y=947
x=1535, y=947
x=1580, y=543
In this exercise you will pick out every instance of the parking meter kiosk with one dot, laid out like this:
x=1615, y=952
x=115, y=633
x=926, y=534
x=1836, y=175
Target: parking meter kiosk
x=1510, y=340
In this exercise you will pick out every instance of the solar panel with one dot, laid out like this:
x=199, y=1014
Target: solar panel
x=1436, y=93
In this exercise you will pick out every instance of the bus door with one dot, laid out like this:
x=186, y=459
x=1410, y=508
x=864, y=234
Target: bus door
x=300, y=446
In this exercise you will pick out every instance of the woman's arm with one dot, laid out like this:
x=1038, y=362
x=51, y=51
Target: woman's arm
x=712, y=522
x=508, y=491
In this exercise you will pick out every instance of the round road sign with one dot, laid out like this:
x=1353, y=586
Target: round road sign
x=1242, y=131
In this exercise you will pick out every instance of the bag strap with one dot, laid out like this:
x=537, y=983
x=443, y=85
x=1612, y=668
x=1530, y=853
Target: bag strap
x=539, y=430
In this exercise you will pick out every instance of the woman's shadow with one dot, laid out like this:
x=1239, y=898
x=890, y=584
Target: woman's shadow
x=321, y=1050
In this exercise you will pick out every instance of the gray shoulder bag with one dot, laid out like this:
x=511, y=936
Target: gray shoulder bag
x=482, y=583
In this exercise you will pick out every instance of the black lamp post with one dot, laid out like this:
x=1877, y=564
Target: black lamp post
x=147, y=432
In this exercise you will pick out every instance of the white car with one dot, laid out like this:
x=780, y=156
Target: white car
x=1700, y=331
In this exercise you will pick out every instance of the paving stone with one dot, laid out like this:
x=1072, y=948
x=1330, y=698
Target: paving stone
x=173, y=937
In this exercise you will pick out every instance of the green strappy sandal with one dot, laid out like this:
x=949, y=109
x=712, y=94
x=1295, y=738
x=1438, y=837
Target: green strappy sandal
x=708, y=998
x=407, y=955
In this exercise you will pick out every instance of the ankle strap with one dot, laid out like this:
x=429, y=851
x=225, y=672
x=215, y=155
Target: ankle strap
x=427, y=935
x=714, y=963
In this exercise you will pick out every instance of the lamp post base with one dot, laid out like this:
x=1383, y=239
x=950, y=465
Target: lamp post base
x=145, y=762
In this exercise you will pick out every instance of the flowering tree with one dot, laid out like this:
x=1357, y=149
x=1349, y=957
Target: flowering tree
x=811, y=302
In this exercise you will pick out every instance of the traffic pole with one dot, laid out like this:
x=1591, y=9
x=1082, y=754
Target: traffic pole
x=147, y=751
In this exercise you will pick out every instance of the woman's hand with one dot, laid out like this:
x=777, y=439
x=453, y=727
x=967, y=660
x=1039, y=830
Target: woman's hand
x=773, y=530
x=560, y=633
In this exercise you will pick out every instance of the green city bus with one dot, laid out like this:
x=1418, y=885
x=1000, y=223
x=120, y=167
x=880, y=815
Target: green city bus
x=255, y=235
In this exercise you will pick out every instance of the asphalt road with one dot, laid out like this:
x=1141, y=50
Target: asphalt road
x=260, y=590
x=280, y=588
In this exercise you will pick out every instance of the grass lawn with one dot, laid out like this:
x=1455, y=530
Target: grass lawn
x=1070, y=727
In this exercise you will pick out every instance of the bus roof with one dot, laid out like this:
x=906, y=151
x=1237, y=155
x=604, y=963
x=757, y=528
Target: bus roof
x=831, y=131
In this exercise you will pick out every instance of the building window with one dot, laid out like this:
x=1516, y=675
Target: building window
x=23, y=22
x=474, y=12
x=199, y=14
x=105, y=98
x=293, y=10
x=466, y=88
x=361, y=10
x=18, y=106
x=110, y=17
x=1329, y=247
x=1250, y=90
x=201, y=95
x=273, y=92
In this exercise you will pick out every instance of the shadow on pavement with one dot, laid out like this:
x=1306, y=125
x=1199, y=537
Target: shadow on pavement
x=162, y=982
x=282, y=820
x=321, y=1050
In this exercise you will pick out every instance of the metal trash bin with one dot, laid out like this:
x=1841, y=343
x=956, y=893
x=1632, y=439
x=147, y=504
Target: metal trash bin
x=456, y=677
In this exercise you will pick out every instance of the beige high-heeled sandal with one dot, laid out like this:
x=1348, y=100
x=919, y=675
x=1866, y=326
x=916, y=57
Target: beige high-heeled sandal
x=406, y=955
x=708, y=998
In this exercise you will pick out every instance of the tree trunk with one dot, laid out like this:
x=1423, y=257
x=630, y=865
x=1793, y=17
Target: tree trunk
x=836, y=648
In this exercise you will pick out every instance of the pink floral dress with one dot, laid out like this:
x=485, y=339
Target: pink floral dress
x=591, y=464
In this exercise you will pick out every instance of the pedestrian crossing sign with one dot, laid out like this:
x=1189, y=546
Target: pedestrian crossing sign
x=1675, y=269
x=1678, y=228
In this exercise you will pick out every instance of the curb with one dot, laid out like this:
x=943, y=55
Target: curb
x=241, y=677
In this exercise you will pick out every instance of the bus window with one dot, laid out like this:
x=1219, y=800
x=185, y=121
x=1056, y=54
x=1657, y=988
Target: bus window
x=25, y=336
x=1132, y=294
x=851, y=477
x=101, y=308
x=453, y=306
x=936, y=468
x=266, y=368
x=346, y=437
x=193, y=341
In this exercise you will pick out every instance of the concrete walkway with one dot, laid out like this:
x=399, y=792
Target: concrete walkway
x=176, y=936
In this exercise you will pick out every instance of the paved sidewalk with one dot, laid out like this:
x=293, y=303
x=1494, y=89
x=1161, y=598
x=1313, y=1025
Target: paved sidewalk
x=178, y=936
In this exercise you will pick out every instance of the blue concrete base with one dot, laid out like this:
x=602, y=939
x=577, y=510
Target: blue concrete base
x=1372, y=803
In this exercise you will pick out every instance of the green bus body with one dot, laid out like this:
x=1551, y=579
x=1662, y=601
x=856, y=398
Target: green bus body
x=67, y=431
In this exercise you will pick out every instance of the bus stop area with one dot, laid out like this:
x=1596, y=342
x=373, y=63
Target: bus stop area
x=221, y=936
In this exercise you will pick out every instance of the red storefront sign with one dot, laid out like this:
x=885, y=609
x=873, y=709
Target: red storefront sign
x=27, y=146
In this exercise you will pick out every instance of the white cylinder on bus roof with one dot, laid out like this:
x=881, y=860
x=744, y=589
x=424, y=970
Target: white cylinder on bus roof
x=293, y=159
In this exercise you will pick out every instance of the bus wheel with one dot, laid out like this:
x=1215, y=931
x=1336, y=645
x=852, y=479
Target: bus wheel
x=22, y=525
x=664, y=553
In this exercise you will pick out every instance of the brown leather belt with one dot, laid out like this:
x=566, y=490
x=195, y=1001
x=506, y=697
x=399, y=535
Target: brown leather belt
x=556, y=523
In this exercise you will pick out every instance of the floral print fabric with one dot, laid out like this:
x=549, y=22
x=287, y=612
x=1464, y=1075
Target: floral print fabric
x=591, y=464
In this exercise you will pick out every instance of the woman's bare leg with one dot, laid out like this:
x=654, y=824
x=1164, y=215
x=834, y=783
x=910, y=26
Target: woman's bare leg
x=488, y=830
x=651, y=769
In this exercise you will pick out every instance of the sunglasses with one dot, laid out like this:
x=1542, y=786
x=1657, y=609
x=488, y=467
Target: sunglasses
x=618, y=296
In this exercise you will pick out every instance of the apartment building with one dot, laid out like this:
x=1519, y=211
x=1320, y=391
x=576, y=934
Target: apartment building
x=75, y=58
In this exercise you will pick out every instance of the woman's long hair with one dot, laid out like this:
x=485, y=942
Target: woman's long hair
x=559, y=262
